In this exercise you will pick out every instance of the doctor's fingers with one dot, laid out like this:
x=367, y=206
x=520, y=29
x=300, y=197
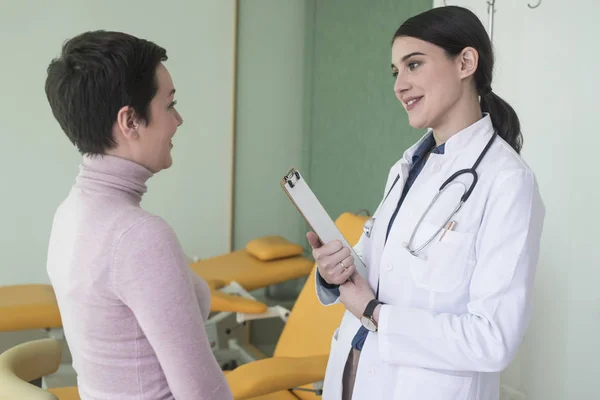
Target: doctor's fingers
x=340, y=275
x=340, y=272
x=313, y=240
x=345, y=269
x=330, y=252
x=333, y=262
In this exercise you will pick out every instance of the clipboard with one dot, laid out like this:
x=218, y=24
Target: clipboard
x=298, y=191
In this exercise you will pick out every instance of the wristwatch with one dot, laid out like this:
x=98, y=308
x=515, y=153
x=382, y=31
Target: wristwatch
x=367, y=319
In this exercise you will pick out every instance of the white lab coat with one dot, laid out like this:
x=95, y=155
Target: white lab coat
x=454, y=316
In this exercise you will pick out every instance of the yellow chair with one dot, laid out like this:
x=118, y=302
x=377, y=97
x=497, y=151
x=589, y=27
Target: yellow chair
x=28, y=362
x=302, y=351
x=265, y=261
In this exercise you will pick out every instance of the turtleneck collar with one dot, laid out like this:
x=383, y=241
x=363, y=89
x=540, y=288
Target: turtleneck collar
x=111, y=173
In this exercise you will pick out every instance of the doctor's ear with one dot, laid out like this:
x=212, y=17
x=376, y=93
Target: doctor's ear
x=128, y=122
x=467, y=62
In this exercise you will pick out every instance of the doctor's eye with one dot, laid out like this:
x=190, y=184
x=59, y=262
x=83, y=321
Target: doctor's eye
x=413, y=65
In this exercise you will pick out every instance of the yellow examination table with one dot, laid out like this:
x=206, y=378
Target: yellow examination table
x=265, y=261
x=25, y=307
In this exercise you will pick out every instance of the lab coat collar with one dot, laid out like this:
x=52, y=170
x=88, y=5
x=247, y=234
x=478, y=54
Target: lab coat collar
x=463, y=139
x=457, y=142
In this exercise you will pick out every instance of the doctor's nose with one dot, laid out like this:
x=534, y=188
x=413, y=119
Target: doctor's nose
x=400, y=86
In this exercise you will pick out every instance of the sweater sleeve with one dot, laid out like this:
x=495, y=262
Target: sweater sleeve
x=151, y=277
x=202, y=293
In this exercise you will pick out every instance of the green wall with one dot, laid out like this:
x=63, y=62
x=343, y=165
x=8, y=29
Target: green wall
x=273, y=63
x=315, y=91
x=358, y=129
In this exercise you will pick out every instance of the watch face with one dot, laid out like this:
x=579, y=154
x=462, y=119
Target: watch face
x=367, y=323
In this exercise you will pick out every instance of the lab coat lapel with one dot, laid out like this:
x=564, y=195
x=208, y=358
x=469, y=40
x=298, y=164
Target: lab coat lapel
x=383, y=218
x=462, y=151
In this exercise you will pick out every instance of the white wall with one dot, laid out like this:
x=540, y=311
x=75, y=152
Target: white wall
x=38, y=164
x=547, y=70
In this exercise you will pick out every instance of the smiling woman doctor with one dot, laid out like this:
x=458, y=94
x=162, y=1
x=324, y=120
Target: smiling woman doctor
x=451, y=250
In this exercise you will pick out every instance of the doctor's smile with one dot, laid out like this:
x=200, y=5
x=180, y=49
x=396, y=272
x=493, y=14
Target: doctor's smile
x=411, y=102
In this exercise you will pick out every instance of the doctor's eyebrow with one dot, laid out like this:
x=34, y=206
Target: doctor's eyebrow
x=406, y=57
x=415, y=53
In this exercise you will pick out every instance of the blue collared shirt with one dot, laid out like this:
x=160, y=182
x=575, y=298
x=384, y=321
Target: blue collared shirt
x=418, y=162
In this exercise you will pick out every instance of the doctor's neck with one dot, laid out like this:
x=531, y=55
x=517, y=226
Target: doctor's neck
x=461, y=115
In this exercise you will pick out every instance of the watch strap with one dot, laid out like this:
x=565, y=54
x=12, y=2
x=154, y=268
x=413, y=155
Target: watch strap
x=371, y=307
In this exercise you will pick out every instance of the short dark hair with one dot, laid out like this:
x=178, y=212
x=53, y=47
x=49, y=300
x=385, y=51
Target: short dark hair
x=97, y=74
x=453, y=28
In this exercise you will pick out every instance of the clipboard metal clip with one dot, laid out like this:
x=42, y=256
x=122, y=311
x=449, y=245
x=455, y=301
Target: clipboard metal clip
x=311, y=209
x=292, y=177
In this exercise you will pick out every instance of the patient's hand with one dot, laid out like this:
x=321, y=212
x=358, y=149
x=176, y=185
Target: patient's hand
x=334, y=261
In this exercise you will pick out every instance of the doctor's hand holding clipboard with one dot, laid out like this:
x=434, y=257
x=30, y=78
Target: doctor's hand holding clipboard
x=340, y=268
x=336, y=267
x=439, y=300
x=334, y=261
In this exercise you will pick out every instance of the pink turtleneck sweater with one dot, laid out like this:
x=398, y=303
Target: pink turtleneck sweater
x=133, y=312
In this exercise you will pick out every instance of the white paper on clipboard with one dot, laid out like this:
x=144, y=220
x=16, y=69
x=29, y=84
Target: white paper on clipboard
x=315, y=215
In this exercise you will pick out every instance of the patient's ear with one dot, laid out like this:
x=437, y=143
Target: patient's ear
x=128, y=123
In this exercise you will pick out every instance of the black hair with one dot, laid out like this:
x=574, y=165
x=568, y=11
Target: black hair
x=453, y=28
x=96, y=74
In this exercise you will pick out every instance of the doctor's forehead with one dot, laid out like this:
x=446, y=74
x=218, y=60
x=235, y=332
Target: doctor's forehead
x=405, y=47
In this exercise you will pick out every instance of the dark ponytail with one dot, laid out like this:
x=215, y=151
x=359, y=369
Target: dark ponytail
x=504, y=119
x=453, y=28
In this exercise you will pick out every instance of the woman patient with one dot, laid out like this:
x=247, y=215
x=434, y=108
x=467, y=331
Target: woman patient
x=133, y=312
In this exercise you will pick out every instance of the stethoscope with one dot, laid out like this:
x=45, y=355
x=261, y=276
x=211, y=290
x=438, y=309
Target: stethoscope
x=368, y=227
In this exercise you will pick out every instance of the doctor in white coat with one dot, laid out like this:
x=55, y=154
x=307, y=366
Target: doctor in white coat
x=448, y=295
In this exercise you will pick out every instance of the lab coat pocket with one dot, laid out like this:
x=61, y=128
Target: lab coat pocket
x=443, y=265
x=426, y=384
